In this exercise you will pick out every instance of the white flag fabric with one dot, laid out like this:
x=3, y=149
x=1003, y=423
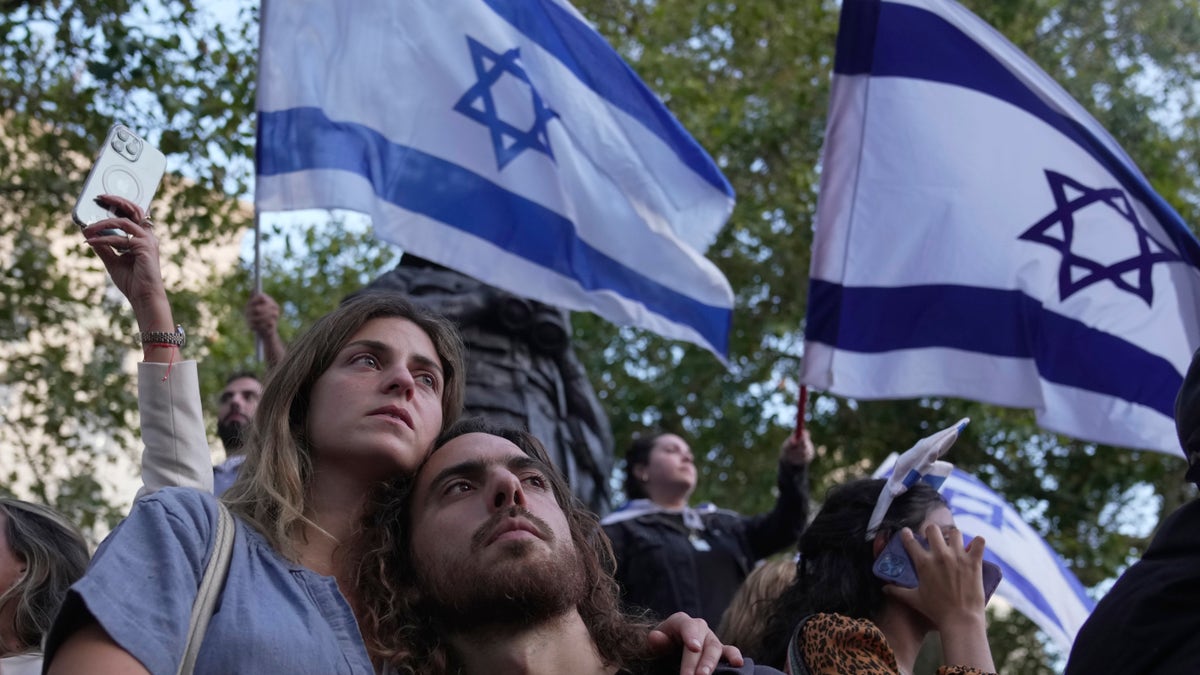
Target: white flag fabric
x=1036, y=581
x=979, y=235
x=504, y=139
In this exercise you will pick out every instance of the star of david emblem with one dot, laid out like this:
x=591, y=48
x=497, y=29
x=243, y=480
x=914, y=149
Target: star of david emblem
x=480, y=104
x=1076, y=272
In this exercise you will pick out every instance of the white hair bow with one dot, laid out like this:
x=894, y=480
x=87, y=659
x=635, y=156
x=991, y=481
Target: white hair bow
x=920, y=463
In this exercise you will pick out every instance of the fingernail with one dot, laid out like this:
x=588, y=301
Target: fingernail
x=694, y=644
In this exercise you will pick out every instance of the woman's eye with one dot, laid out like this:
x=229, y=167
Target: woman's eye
x=366, y=360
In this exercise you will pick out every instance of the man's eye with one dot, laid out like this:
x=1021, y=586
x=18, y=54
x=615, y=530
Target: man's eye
x=427, y=380
x=457, y=487
x=537, y=480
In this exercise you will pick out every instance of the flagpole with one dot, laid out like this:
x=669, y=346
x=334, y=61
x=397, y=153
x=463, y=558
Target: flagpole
x=259, y=347
x=800, y=406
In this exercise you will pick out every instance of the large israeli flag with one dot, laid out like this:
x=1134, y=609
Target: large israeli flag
x=979, y=235
x=1036, y=581
x=504, y=139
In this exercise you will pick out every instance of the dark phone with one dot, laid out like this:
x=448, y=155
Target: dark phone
x=895, y=566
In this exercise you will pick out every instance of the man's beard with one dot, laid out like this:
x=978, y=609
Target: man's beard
x=232, y=434
x=521, y=591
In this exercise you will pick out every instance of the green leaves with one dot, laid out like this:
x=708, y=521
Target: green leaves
x=750, y=80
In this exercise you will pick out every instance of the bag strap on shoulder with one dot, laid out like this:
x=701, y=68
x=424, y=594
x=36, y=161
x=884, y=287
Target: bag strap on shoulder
x=210, y=588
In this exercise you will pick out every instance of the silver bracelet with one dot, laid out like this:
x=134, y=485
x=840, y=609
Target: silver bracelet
x=162, y=337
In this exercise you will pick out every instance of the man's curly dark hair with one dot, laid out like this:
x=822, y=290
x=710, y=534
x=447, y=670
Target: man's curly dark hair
x=395, y=615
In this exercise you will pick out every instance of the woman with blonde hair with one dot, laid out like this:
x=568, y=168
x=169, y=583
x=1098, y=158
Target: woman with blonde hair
x=745, y=619
x=358, y=399
x=41, y=555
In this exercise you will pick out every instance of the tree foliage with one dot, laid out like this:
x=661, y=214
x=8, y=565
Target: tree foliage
x=749, y=79
x=68, y=71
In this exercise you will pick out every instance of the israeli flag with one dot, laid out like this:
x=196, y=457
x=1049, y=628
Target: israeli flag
x=979, y=235
x=1036, y=581
x=504, y=139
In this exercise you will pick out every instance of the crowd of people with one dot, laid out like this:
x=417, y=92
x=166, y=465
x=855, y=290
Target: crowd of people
x=376, y=532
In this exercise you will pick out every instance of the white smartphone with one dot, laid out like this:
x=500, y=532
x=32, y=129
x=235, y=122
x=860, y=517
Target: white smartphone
x=126, y=166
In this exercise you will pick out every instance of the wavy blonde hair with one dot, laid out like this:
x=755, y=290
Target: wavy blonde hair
x=55, y=556
x=271, y=490
x=745, y=620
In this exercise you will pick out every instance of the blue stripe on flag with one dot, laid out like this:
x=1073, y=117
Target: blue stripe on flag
x=1007, y=509
x=599, y=67
x=990, y=321
x=1027, y=589
x=856, y=38
x=461, y=199
x=885, y=39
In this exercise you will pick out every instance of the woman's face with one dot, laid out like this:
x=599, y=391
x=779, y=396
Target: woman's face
x=375, y=412
x=940, y=516
x=669, y=469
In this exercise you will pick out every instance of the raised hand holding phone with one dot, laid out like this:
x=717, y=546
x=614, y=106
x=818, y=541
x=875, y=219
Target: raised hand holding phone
x=135, y=272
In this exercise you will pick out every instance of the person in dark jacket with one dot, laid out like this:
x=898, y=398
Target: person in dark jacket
x=675, y=558
x=1148, y=622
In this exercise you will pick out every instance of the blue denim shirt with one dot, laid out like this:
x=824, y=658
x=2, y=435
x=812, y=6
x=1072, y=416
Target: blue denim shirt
x=273, y=616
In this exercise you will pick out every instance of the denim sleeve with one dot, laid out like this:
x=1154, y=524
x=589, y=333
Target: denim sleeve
x=144, y=578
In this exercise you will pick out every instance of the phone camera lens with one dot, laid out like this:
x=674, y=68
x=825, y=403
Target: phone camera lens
x=118, y=145
x=134, y=148
x=122, y=134
x=890, y=566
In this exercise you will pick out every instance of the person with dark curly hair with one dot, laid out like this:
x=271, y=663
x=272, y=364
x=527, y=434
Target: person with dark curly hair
x=838, y=617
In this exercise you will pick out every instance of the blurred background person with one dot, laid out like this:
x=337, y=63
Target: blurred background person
x=41, y=555
x=675, y=558
x=238, y=400
x=745, y=620
x=236, y=406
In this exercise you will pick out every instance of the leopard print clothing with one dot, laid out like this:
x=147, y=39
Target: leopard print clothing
x=833, y=644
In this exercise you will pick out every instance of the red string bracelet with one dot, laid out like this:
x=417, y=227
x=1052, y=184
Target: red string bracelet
x=164, y=345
